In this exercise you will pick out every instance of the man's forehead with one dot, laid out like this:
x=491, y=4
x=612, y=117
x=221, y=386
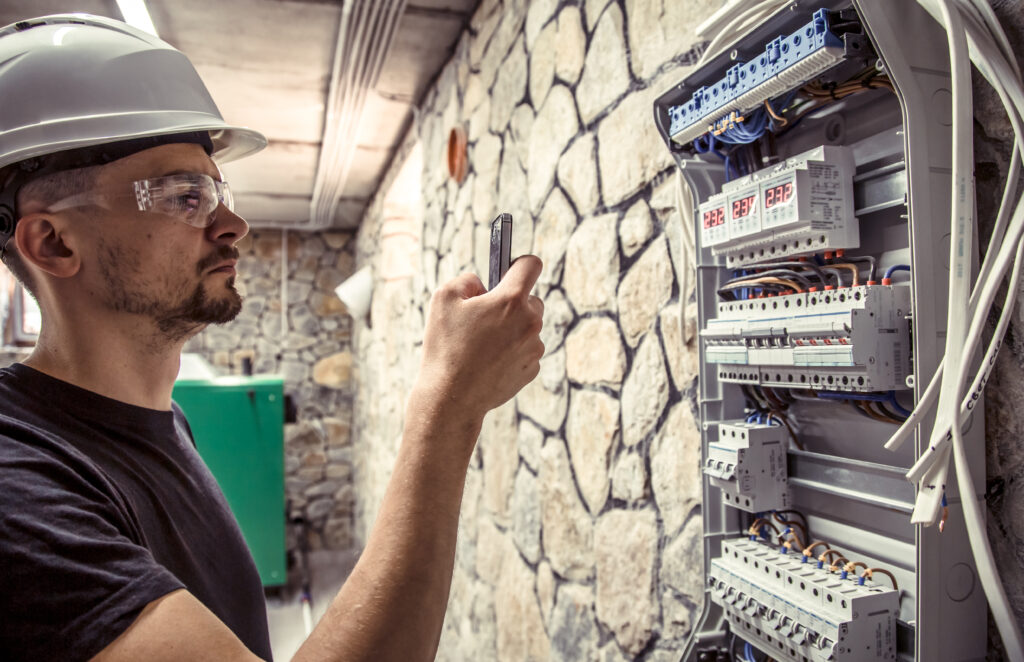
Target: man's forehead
x=165, y=160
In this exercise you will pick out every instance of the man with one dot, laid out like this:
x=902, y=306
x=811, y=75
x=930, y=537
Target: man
x=115, y=543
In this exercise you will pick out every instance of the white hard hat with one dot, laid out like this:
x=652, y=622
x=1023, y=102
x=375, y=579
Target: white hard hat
x=71, y=81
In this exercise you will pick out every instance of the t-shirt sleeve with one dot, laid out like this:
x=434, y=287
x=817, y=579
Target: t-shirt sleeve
x=73, y=580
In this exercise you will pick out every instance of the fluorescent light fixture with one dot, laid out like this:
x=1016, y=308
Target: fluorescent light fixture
x=136, y=15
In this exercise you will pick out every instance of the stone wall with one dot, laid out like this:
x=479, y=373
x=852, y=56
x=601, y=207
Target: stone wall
x=580, y=533
x=311, y=348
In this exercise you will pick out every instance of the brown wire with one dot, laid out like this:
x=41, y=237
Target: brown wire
x=767, y=279
x=771, y=111
x=809, y=551
x=778, y=518
x=789, y=428
x=760, y=520
x=880, y=416
x=852, y=267
x=869, y=573
x=838, y=563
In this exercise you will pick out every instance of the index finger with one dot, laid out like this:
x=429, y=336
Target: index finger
x=522, y=274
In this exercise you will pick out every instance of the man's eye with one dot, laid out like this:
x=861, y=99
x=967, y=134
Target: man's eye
x=187, y=202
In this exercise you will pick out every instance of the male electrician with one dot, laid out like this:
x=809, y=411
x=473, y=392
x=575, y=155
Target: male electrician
x=115, y=542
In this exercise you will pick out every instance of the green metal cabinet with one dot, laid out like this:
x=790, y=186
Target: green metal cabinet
x=238, y=425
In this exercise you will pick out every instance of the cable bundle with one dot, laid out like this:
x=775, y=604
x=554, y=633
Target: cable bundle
x=973, y=32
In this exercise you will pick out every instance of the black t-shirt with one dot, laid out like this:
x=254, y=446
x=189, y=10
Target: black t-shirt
x=105, y=507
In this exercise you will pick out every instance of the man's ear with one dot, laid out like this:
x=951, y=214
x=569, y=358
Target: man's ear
x=41, y=242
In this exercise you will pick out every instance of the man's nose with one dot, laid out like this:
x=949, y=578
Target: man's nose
x=227, y=226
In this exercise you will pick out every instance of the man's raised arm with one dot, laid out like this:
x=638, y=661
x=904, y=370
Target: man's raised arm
x=479, y=349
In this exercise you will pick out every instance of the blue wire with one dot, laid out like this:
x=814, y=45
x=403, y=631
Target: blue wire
x=870, y=397
x=894, y=268
x=895, y=405
x=748, y=652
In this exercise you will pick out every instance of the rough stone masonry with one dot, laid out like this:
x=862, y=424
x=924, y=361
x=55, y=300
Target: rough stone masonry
x=580, y=534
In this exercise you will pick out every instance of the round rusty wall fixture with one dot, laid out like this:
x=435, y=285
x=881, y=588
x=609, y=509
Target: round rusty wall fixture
x=458, y=162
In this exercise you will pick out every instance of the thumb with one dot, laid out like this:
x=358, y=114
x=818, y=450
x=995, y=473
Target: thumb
x=522, y=275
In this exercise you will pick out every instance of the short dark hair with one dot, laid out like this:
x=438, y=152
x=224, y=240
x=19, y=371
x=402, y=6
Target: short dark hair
x=46, y=189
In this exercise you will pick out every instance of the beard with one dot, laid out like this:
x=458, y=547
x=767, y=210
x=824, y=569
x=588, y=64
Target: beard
x=178, y=308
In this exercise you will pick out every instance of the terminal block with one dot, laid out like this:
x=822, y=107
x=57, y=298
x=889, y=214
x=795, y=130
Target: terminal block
x=849, y=339
x=798, y=612
x=748, y=463
x=802, y=205
x=787, y=62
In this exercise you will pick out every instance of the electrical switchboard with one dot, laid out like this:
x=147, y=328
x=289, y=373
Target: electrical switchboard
x=820, y=166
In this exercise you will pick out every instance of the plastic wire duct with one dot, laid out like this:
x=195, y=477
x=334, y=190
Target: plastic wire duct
x=366, y=31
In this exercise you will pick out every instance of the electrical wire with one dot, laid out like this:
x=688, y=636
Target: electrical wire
x=969, y=28
x=852, y=267
x=869, y=572
x=787, y=273
x=688, y=259
x=737, y=27
x=894, y=268
x=861, y=258
x=770, y=280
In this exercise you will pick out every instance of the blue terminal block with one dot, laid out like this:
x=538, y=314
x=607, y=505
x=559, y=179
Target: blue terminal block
x=785, y=63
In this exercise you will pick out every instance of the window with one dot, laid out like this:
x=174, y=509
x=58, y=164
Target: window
x=19, y=312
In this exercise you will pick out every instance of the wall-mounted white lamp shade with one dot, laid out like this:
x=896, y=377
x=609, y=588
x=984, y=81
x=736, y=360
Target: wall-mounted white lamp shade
x=356, y=292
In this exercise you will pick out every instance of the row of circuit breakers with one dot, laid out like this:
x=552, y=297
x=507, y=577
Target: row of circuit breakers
x=791, y=313
x=848, y=337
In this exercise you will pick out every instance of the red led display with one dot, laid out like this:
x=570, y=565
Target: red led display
x=778, y=195
x=743, y=207
x=714, y=218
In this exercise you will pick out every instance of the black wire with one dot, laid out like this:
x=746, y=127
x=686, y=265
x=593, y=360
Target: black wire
x=835, y=273
x=802, y=517
x=775, y=287
x=862, y=258
x=888, y=412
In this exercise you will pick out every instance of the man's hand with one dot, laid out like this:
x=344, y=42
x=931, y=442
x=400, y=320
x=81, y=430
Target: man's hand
x=480, y=347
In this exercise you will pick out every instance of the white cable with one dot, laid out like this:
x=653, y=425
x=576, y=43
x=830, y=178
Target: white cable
x=998, y=235
x=981, y=378
x=1008, y=86
x=997, y=239
x=960, y=247
x=974, y=520
x=941, y=436
x=739, y=26
x=994, y=69
x=688, y=260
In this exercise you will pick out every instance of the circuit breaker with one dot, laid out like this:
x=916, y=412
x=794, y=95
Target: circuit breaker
x=819, y=163
x=748, y=464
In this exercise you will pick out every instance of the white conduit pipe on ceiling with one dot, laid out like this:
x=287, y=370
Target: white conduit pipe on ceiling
x=365, y=33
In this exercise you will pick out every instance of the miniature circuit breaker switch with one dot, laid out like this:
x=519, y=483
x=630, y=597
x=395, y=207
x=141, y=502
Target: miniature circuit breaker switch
x=850, y=339
x=798, y=611
x=748, y=463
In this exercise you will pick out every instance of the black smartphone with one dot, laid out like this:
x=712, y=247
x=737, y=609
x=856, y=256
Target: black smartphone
x=501, y=249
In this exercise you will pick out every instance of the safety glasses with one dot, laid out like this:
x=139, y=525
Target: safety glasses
x=190, y=198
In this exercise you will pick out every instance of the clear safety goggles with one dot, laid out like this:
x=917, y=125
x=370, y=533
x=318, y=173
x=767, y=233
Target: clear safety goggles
x=190, y=198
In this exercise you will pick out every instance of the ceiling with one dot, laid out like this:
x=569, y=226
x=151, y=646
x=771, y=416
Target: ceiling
x=268, y=63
